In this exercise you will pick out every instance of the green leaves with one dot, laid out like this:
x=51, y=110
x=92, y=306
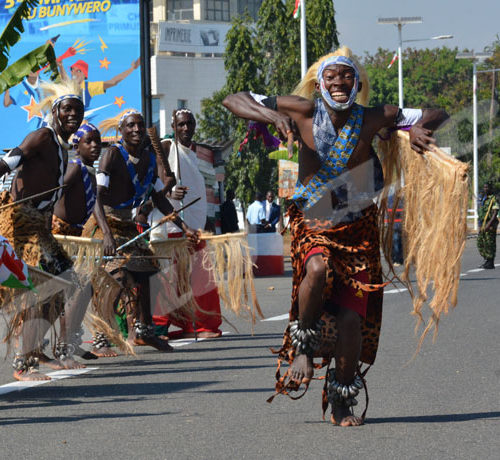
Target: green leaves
x=12, y=32
x=31, y=62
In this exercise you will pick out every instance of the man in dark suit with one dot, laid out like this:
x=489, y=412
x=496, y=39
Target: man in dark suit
x=272, y=213
x=228, y=216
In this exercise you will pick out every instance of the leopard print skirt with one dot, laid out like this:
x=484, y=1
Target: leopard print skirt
x=347, y=249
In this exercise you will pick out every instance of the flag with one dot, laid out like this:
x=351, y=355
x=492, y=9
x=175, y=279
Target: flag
x=13, y=271
x=393, y=60
x=296, y=11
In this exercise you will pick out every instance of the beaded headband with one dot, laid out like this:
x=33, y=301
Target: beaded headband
x=66, y=96
x=127, y=114
x=84, y=129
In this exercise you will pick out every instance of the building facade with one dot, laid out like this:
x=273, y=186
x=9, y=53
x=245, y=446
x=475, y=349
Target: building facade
x=187, y=66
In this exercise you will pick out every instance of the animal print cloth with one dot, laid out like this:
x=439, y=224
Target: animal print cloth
x=347, y=249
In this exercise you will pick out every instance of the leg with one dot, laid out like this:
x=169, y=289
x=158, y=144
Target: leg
x=36, y=323
x=347, y=351
x=145, y=332
x=310, y=307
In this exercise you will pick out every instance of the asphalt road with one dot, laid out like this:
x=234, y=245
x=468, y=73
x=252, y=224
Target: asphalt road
x=207, y=400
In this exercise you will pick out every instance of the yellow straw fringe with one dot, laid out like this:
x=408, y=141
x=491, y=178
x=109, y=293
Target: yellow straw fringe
x=435, y=195
x=227, y=257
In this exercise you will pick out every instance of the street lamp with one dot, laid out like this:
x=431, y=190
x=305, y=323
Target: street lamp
x=475, y=57
x=400, y=22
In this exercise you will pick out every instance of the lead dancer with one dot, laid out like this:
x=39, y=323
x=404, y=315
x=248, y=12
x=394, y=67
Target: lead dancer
x=337, y=286
x=40, y=162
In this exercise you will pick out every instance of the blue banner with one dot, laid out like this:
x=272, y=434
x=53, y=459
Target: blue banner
x=97, y=43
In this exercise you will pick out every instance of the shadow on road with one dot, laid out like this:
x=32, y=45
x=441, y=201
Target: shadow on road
x=436, y=418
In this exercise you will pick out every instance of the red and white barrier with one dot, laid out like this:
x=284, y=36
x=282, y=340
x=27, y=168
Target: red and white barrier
x=266, y=250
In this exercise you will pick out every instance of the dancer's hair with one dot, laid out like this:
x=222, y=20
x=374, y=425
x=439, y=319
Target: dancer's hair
x=114, y=123
x=307, y=87
x=55, y=93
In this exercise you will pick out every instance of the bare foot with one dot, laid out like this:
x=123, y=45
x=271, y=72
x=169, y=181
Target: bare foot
x=104, y=352
x=31, y=375
x=201, y=335
x=302, y=369
x=70, y=363
x=341, y=416
x=52, y=363
x=153, y=341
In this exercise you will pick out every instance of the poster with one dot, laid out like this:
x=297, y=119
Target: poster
x=97, y=43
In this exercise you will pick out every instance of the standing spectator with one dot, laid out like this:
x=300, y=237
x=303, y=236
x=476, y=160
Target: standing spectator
x=228, y=216
x=488, y=223
x=272, y=213
x=256, y=215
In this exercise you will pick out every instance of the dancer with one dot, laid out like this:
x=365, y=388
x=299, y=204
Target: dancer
x=335, y=238
x=76, y=205
x=190, y=185
x=40, y=162
x=127, y=176
x=488, y=223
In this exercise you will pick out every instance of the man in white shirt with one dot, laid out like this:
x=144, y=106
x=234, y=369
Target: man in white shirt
x=256, y=215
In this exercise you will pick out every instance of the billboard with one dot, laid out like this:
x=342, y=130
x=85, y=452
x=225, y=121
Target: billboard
x=195, y=37
x=97, y=43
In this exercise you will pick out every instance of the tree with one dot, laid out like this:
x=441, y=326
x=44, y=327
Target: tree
x=265, y=58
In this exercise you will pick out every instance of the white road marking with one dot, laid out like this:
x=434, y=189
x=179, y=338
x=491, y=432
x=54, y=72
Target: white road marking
x=393, y=291
x=56, y=375
x=475, y=270
x=277, y=318
x=183, y=342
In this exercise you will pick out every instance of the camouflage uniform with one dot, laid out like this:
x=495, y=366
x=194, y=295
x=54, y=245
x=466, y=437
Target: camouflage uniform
x=486, y=240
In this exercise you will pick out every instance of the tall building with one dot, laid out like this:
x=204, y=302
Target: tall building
x=188, y=43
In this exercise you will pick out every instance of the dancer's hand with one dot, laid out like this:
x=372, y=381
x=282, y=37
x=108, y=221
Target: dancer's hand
x=193, y=236
x=284, y=125
x=109, y=245
x=179, y=192
x=420, y=139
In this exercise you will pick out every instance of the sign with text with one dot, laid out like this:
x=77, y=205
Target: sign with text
x=195, y=37
x=96, y=42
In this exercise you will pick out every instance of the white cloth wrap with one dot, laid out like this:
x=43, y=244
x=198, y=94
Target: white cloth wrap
x=195, y=216
x=410, y=117
x=102, y=179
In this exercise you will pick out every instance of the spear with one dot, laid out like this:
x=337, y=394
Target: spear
x=164, y=219
x=37, y=195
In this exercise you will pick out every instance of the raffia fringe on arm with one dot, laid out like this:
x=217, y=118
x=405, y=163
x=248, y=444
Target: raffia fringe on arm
x=435, y=194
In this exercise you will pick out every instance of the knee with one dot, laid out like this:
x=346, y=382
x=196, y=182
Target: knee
x=348, y=320
x=316, y=271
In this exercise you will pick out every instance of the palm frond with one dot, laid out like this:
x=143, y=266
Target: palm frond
x=13, y=30
x=31, y=62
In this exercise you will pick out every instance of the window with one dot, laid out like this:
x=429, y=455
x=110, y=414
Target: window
x=217, y=10
x=179, y=9
x=182, y=104
x=155, y=113
x=252, y=6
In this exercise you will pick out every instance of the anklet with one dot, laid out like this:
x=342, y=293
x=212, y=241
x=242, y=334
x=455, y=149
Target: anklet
x=306, y=341
x=100, y=341
x=21, y=365
x=340, y=393
x=142, y=330
x=64, y=351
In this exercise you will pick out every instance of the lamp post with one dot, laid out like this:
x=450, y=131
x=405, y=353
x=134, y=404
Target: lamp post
x=475, y=57
x=400, y=22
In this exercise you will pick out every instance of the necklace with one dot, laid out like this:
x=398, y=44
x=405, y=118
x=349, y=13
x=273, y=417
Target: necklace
x=63, y=143
x=133, y=159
